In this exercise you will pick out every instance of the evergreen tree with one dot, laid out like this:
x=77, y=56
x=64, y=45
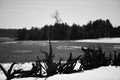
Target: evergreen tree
x=21, y=34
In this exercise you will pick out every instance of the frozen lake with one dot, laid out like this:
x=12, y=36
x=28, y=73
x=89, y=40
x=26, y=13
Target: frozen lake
x=27, y=51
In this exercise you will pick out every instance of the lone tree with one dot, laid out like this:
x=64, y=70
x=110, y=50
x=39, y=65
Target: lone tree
x=56, y=17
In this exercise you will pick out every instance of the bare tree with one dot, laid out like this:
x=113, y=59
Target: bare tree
x=56, y=17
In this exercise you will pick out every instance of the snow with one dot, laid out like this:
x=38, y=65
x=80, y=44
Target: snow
x=22, y=51
x=45, y=43
x=78, y=64
x=102, y=73
x=101, y=40
x=9, y=42
x=42, y=43
x=69, y=47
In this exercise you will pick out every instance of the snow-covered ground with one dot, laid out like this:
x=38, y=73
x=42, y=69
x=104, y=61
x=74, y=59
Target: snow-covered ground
x=101, y=40
x=102, y=73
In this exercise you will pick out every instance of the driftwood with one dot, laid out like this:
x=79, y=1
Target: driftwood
x=94, y=58
x=70, y=64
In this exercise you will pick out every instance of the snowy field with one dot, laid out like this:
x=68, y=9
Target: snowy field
x=102, y=73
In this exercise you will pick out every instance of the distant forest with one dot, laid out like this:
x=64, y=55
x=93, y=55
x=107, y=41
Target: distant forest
x=62, y=31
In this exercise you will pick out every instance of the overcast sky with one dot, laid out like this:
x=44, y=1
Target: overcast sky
x=27, y=13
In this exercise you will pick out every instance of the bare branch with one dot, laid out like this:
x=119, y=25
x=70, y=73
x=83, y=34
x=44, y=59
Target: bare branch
x=4, y=71
x=43, y=52
x=10, y=69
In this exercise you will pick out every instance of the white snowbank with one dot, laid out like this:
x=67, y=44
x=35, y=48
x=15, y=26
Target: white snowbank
x=102, y=73
x=101, y=40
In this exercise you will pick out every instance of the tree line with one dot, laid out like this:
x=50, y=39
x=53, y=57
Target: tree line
x=8, y=32
x=62, y=31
